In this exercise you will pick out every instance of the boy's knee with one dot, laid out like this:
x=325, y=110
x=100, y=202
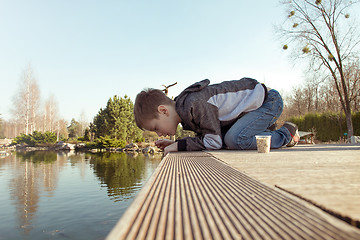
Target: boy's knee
x=230, y=141
x=236, y=142
x=233, y=141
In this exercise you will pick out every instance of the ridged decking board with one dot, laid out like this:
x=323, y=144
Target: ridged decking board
x=195, y=196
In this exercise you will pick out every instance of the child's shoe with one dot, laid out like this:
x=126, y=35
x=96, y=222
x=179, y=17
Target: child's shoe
x=293, y=129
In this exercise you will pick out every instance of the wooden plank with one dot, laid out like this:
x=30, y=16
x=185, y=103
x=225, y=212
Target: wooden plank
x=196, y=196
x=327, y=175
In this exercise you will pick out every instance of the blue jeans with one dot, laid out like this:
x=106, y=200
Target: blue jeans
x=242, y=133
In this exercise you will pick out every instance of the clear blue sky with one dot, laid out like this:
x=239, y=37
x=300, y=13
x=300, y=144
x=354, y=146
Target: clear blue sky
x=85, y=52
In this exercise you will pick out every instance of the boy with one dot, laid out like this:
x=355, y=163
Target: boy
x=228, y=114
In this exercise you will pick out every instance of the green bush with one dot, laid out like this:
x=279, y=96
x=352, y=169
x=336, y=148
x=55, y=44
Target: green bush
x=107, y=142
x=36, y=138
x=181, y=133
x=22, y=138
x=81, y=139
x=356, y=123
x=327, y=126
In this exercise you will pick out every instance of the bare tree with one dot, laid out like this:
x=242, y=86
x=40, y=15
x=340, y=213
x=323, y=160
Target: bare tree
x=83, y=122
x=34, y=105
x=330, y=99
x=2, y=135
x=50, y=114
x=26, y=101
x=352, y=73
x=312, y=88
x=62, y=129
x=327, y=38
x=298, y=101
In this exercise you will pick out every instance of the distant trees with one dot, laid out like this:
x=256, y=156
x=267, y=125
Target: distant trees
x=29, y=113
x=112, y=126
x=79, y=129
x=329, y=40
x=116, y=121
x=75, y=129
x=181, y=133
x=84, y=124
x=50, y=116
x=1, y=128
x=62, y=131
x=26, y=101
x=352, y=73
x=317, y=94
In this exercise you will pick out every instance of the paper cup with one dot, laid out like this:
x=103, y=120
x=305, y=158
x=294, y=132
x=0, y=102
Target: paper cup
x=263, y=143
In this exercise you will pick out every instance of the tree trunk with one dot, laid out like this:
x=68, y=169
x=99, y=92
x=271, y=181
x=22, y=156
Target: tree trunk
x=346, y=105
x=349, y=123
x=27, y=107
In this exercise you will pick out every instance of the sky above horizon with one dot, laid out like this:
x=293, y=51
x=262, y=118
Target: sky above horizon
x=84, y=52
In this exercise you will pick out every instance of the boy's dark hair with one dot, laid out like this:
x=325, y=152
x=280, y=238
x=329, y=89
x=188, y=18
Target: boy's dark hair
x=146, y=105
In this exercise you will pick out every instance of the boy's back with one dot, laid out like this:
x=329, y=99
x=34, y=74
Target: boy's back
x=207, y=109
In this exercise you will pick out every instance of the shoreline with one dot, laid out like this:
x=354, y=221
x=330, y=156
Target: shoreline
x=81, y=147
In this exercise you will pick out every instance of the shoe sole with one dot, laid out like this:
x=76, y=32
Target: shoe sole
x=294, y=139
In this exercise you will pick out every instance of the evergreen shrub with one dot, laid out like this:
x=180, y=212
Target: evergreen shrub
x=326, y=126
x=108, y=142
x=36, y=138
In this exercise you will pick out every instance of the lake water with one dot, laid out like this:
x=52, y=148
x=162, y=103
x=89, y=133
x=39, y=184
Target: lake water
x=49, y=195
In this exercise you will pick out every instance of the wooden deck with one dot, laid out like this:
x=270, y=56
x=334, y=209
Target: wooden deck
x=327, y=175
x=196, y=196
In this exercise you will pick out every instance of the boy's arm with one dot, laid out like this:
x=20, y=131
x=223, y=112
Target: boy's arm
x=171, y=148
x=163, y=143
x=209, y=141
x=204, y=120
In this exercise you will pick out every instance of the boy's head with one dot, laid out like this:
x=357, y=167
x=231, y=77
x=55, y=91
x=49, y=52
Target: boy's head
x=154, y=111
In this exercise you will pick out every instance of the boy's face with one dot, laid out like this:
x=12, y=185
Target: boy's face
x=165, y=124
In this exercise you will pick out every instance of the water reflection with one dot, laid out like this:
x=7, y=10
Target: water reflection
x=32, y=171
x=120, y=173
x=37, y=156
x=34, y=177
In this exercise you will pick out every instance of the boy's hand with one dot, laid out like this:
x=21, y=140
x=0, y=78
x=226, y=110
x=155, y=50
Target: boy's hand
x=163, y=143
